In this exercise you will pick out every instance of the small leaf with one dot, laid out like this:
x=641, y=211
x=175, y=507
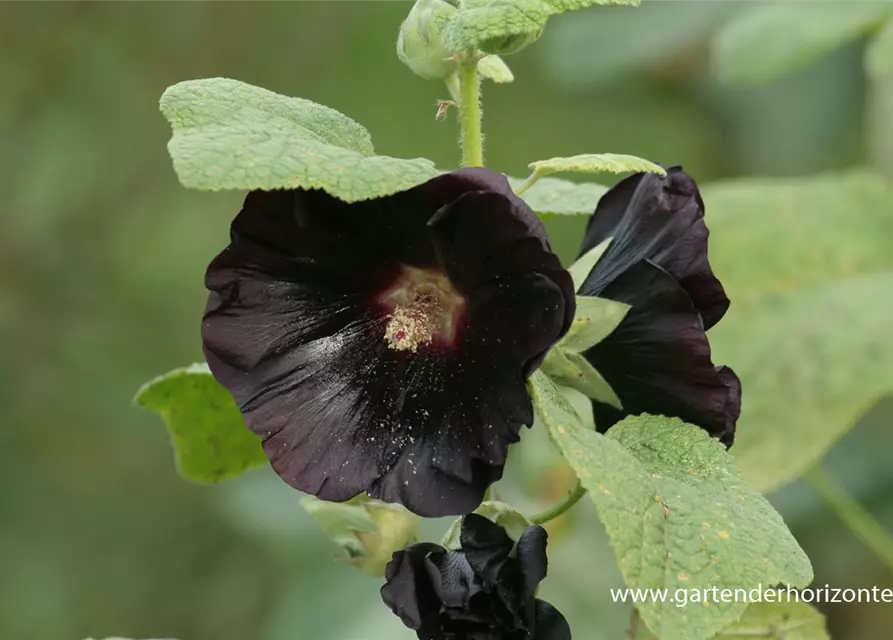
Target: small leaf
x=478, y=21
x=677, y=512
x=584, y=265
x=211, y=441
x=771, y=621
x=554, y=196
x=231, y=135
x=494, y=68
x=596, y=163
x=772, y=39
x=595, y=320
x=574, y=371
x=879, y=55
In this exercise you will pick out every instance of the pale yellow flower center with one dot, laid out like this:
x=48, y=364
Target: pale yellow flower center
x=424, y=308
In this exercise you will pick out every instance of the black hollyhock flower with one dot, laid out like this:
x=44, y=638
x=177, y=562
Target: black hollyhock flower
x=658, y=360
x=478, y=592
x=383, y=346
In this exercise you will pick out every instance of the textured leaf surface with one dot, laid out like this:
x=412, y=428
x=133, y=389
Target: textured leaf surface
x=806, y=263
x=879, y=55
x=770, y=621
x=554, y=196
x=677, y=511
x=595, y=163
x=211, y=441
x=231, y=135
x=772, y=39
x=478, y=21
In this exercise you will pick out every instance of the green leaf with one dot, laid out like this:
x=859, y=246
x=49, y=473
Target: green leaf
x=595, y=163
x=808, y=330
x=581, y=269
x=574, y=371
x=479, y=22
x=231, y=135
x=677, y=511
x=803, y=230
x=554, y=196
x=879, y=55
x=770, y=621
x=211, y=441
x=768, y=41
x=810, y=364
x=594, y=320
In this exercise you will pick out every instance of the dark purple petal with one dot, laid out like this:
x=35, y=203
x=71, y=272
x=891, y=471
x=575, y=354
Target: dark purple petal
x=658, y=360
x=299, y=328
x=477, y=592
x=550, y=624
x=453, y=578
x=485, y=240
x=532, y=559
x=409, y=591
x=660, y=219
x=485, y=545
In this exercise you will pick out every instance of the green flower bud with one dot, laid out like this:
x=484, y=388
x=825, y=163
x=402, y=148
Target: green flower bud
x=366, y=531
x=420, y=45
x=508, y=45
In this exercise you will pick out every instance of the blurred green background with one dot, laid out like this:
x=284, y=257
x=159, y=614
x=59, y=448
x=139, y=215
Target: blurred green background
x=102, y=255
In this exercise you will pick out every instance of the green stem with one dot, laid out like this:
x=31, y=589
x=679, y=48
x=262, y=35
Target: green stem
x=853, y=515
x=560, y=507
x=527, y=183
x=470, y=115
